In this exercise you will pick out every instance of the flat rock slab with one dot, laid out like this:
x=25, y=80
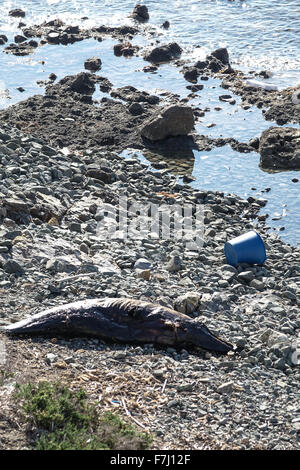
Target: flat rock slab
x=279, y=148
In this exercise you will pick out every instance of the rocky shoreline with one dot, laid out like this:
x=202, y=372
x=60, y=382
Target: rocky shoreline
x=60, y=168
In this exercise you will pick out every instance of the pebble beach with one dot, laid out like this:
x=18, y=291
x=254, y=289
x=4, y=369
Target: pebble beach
x=75, y=148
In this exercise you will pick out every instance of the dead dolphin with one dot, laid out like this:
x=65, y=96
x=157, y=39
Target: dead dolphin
x=122, y=320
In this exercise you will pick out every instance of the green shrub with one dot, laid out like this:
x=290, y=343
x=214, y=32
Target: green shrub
x=64, y=420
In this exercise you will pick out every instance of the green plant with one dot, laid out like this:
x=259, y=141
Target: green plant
x=4, y=375
x=64, y=420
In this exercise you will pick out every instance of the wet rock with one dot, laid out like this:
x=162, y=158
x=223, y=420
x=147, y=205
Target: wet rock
x=52, y=77
x=164, y=53
x=173, y=121
x=254, y=143
x=93, y=64
x=201, y=64
x=191, y=74
x=17, y=13
x=222, y=55
x=53, y=37
x=19, y=49
x=140, y=13
x=70, y=100
x=19, y=38
x=214, y=65
x=126, y=49
x=131, y=94
x=279, y=148
x=81, y=83
x=3, y=39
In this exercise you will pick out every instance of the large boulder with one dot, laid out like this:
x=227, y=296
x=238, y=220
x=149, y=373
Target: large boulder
x=279, y=148
x=164, y=53
x=173, y=120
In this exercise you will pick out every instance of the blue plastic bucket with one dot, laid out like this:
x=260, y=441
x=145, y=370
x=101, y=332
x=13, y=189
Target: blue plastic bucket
x=248, y=248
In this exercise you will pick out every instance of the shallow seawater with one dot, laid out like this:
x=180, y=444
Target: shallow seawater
x=223, y=169
x=259, y=34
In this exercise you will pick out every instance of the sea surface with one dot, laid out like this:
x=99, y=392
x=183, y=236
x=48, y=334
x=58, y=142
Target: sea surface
x=259, y=35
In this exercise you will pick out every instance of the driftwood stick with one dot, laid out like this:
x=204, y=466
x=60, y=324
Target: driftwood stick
x=130, y=415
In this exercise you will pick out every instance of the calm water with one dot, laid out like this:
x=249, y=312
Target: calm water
x=259, y=34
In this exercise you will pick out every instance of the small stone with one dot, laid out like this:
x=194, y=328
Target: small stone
x=259, y=285
x=225, y=388
x=223, y=283
x=246, y=276
x=280, y=364
x=174, y=264
x=143, y=264
x=50, y=358
x=143, y=274
x=187, y=303
x=12, y=267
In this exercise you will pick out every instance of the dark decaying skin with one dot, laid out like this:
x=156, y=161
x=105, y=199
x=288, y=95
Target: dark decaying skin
x=121, y=320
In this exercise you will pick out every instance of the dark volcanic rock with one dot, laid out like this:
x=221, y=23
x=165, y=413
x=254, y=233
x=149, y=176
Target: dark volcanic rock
x=17, y=13
x=285, y=107
x=126, y=49
x=282, y=106
x=131, y=94
x=19, y=38
x=279, y=148
x=135, y=109
x=173, y=121
x=215, y=65
x=140, y=13
x=222, y=55
x=66, y=117
x=201, y=64
x=93, y=64
x=19, y=49
x=164, y=53
x=191, y=74
x=81, y=83
x=3, y=39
